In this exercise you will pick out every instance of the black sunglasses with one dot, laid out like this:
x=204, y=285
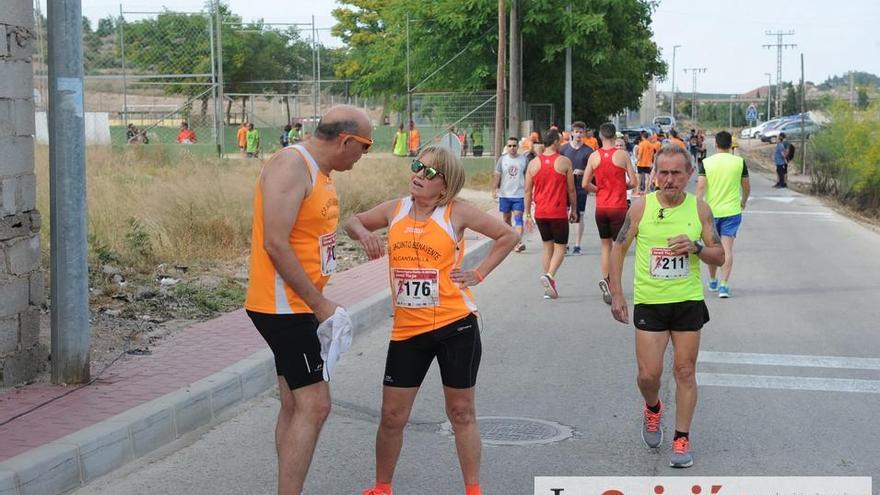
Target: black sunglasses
x=430, y=172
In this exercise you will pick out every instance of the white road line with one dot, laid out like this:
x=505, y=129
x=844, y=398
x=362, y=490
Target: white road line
x=789, y=383
x=780, y=199
x=788, y=212
x=852, y=363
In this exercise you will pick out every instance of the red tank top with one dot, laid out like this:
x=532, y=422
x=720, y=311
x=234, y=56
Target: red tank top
x=551, y=190
x=610, y=181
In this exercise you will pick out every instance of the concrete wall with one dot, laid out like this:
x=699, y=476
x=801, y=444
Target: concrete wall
x=21, y=281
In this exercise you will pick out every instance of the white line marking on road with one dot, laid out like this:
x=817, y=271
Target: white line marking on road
x=789, y=383
x=780, y=199
x=789, y=212
x=804, y=361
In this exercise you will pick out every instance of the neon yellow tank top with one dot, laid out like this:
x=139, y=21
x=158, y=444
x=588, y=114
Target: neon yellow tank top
x=400, y=144
x=724, y=184
x=660, y=277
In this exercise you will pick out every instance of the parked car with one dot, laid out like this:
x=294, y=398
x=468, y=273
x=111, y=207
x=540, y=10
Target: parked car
x=753, y=132
x=665, y=122
x=792, y=130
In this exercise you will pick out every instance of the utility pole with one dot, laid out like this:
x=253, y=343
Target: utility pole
x=408, y=89
x=221, y=99
x=672, y=100
x=567, y=123
x=70, y=336
x=499, y=81
x=852, y=88
x=694, y=71
x=515, y=76
x=779, y=45
x=315, y=90
x=769, y=88
x=803, y=118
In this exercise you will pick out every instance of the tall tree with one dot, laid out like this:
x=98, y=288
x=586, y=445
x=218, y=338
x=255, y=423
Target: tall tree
x=614, y=57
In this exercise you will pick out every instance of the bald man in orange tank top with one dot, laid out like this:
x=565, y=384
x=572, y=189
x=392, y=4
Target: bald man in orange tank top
x=293, y=254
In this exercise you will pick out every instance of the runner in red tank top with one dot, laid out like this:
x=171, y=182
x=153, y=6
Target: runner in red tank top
x=614, y=174
x=550, y=181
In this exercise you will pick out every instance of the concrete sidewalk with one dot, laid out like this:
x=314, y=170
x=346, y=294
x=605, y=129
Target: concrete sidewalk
x=54, y=438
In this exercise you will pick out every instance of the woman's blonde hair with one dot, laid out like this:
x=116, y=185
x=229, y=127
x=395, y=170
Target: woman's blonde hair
x=450, y=166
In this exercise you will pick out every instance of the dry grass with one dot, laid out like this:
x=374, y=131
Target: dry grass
x=145, y=210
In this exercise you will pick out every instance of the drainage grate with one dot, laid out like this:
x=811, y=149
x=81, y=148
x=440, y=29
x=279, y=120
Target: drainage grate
x=497, y=430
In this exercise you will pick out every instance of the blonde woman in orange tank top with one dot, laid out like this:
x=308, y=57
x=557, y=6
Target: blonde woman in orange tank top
x=434, y=310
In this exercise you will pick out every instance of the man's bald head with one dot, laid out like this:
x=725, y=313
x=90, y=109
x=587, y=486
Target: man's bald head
x=342, y=118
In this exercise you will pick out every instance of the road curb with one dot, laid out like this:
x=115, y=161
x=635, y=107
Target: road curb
x=79, y=458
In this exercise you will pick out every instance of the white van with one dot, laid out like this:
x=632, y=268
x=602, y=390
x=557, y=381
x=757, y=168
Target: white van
x=665, y=122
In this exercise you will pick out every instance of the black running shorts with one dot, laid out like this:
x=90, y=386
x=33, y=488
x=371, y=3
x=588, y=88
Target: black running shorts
x=294, y=342
x=609, y=221
x=456, y=346
x=581, y=203
x=553, y=229
x=680, y=316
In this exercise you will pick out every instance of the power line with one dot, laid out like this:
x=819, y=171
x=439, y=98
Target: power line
x=779, y=45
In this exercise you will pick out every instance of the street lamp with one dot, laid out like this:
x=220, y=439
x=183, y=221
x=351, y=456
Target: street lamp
x=672, y=100
x=769, y=85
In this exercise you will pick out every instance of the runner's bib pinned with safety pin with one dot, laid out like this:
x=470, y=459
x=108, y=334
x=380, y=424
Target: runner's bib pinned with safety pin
x=416, y=287
x=666, y=265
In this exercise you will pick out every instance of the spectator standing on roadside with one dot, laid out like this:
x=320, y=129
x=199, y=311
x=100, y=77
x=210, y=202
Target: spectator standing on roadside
x=780, y=158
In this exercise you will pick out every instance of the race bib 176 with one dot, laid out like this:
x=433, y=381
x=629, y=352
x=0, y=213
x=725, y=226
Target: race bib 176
x=416, y=287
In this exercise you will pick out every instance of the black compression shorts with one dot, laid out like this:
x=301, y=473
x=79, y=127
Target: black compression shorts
x=456, y=346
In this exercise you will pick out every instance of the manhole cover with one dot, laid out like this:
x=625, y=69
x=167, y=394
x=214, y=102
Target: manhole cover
x=497, y=430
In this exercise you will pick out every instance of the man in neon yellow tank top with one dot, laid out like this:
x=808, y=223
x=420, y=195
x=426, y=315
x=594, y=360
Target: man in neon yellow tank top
x=673, y=231
x=724, y=179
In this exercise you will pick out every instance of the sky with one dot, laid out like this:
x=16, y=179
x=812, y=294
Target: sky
x=725, y=37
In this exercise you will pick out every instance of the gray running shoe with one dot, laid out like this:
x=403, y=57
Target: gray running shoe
x=652, y=429
x=681, y=454
x=606, y=291
x=549, y=286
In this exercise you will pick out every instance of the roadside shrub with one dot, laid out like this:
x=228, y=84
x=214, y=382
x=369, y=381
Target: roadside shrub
x=846, y=157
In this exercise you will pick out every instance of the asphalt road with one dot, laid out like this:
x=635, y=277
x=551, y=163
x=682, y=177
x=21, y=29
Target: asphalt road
x=789, y=374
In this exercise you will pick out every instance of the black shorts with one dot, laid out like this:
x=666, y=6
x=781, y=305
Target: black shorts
x=643, y=170
x=553, y=229
x=609, y=221
x=294, y=342
x=456, y=346
x=686, y=315
x=581, y=202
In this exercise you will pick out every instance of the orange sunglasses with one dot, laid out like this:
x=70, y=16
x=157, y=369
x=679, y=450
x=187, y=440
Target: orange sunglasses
x=366, y=143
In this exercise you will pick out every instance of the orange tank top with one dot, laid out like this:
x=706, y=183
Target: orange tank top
x=313, y=240
x=421, y=257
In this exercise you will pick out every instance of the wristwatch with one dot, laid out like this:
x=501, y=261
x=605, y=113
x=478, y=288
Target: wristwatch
x=698, y=245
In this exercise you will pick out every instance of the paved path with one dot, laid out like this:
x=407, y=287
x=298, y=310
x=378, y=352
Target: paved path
x=789, y=374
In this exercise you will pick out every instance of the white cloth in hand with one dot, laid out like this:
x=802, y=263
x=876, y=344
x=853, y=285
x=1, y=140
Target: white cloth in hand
x=335, y=336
